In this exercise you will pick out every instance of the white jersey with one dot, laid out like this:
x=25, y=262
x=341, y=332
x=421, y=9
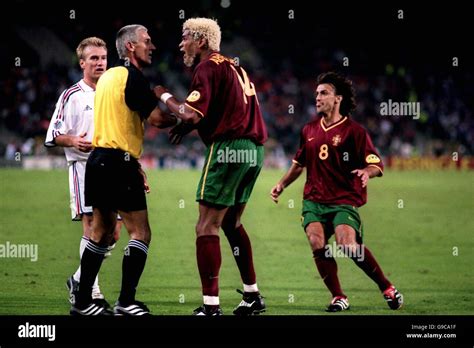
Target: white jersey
x=74, y=115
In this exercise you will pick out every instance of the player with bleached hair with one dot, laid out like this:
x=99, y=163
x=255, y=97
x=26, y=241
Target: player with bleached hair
x=222, y=105
x=72, y=127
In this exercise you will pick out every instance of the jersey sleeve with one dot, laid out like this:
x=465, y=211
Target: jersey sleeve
x=368, y=154
x=202, y=88
x=138, y=95
x=300, y=157
x=61, y=119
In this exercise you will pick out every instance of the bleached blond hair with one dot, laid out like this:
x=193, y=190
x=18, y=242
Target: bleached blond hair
x=206, y=28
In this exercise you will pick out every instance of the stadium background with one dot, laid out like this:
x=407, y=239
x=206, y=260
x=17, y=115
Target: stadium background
x=417, y=220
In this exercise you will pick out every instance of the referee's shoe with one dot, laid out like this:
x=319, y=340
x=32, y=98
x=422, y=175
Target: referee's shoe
x=135, y=308
x=92, y=309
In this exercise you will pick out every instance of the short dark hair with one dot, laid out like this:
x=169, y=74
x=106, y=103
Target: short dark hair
x=343, y=87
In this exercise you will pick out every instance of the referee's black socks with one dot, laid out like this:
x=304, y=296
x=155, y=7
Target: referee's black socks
x=133, y=264
x=90, y=264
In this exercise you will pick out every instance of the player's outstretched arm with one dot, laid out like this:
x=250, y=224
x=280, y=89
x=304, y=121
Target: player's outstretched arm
x=291, y=175
x=181, y=110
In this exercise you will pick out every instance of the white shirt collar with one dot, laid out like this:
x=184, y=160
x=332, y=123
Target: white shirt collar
x=85, y=87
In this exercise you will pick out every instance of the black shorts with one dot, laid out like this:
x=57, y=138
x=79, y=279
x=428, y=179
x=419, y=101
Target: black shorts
x=113, y=181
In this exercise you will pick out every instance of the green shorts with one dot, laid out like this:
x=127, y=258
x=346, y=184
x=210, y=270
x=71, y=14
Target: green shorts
x=230, y=171
x=332, y=215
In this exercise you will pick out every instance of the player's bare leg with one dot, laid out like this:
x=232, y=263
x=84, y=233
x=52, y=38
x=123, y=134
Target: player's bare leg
x=210, y=219
x=363, y=258
x=86, y=220
x=134, y=259
x=326, y=265
x=116, y=237
x=252, y=302
x=346, y=238
x=315, y=234
x=103, y=224
x=208, y=254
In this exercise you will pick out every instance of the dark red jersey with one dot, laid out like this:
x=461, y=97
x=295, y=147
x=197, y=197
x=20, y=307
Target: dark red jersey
x=223, y=95
x=329, y=155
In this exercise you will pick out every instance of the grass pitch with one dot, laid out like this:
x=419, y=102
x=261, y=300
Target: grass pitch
x=419, y=225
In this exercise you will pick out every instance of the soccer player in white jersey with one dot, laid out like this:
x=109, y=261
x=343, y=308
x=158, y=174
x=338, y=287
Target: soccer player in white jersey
x=72, y=127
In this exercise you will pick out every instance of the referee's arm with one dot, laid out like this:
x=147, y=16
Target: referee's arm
x=139, y=97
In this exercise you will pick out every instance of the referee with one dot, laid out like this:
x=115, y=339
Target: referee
x=114, y=180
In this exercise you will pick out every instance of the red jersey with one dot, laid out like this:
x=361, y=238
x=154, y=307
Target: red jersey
x=329, y=155
x=223, y=95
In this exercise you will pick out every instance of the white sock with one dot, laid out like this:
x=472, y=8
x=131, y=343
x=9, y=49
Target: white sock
x=95, y=287
x=251, y=288
x=82, y=246
x=211, y=300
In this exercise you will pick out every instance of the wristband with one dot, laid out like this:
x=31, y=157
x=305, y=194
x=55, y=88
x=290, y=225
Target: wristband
x=165, y=96
x=178, y=121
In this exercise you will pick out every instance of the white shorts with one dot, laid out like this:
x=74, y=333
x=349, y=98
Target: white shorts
x=77, y=170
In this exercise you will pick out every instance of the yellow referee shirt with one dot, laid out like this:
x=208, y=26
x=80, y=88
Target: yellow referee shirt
x=123, y=100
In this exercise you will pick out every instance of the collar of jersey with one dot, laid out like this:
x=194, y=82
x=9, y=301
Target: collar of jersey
x=333, y=125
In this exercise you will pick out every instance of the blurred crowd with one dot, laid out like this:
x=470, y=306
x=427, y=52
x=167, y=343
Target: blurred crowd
x=286, y=93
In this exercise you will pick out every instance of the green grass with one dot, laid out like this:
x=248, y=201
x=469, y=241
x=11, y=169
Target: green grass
x=413, y=244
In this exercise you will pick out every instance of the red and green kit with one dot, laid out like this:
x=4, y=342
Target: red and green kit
x=232, y=127
x=329, y=154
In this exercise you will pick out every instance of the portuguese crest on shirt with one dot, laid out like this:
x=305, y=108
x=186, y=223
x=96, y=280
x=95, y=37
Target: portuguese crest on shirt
x=336, y=140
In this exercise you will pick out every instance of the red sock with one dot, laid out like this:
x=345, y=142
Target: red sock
x=242, y=250
x=327, y=268
x=208, y=252
x=370, y=266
